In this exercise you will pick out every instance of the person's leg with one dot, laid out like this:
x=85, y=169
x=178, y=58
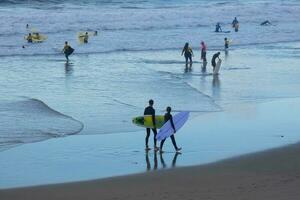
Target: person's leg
x=155, y=141
x=147, y=137
x=174, y=142
x=191, y=60
x=186, y=59
x=162, y=144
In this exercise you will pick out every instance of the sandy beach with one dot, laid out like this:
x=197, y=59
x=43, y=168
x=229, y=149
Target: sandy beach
x=274, y=174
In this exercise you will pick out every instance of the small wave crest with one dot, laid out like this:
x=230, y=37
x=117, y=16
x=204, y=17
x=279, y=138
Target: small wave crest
x=26, y=120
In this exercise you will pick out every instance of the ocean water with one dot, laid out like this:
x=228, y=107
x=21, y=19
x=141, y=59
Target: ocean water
x=135, y=57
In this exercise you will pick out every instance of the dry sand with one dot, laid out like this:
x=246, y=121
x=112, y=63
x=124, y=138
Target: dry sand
x=274, y=175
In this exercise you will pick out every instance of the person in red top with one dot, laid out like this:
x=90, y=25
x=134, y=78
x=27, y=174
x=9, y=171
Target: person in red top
x=203, y=51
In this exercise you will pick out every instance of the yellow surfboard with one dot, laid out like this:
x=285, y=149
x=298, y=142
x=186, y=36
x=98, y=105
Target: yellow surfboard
x=146, y=121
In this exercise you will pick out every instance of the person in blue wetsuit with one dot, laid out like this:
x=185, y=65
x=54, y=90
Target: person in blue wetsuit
x=151, y=111
x=168, y=117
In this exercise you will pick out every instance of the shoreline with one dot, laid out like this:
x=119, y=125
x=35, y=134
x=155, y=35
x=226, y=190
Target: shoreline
x=272, y=174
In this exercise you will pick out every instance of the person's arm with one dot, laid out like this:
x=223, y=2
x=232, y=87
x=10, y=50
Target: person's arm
x=182, y=51
x=172, y=123
x=192, y=52
x=221, y=29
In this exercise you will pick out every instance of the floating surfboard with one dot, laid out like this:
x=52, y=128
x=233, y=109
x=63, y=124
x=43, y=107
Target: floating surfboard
x=146, y=121
x=167, y=130
x=217, y=68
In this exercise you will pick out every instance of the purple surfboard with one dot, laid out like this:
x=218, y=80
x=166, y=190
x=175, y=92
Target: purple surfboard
x=167, y=130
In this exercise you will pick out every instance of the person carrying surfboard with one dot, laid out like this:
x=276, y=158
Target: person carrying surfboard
x=168, y=117
x=213, y=60
x=188, y=53
x=67, y=50
x=235, y=24
x=149, y=110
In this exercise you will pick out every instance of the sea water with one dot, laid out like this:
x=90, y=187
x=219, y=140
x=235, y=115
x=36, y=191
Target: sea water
x=135, y=57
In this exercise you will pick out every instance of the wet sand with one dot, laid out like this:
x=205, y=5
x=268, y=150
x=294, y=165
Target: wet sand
x=273, y=174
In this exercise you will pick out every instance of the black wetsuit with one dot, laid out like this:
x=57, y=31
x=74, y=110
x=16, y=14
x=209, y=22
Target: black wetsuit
x=188, y=52
x=150, y=111
x=213, y=60
x=226, y=44
x=168, y=117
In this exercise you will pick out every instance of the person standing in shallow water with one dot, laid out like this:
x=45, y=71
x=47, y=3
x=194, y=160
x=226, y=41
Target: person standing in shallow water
x=226, y=43
x=213, y=60
x=67, y=50
x=149, y=110
x=188, y=53
x=203, y=52
x=168, y=117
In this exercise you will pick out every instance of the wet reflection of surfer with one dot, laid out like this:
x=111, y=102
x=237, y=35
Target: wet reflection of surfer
x=218, y=28
x=203, y=51
x=168, y=117
x=148, y=161
x=213, y=60
x=67, y=50
x=188, y=53
x=150, y=111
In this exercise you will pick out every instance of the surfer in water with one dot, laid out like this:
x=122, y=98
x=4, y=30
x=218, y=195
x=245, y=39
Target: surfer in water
x=188, y=53
x=29, y=38
x=203, y=51
x=168, y=117
x=151, y=111
x=86, y=37
x=226, y=44
x=235, y=24
x=67, y=50
x=213, y=60
x=266, y=23
x=218, y=28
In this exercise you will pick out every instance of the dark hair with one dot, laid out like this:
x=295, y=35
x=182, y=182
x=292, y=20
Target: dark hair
x=151, y=102
x=66, y=42
x=186, y=45
x=219, y=52
x=168, y=109
x=225, y=38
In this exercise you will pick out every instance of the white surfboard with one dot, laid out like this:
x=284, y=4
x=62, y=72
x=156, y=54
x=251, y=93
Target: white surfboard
x=217, y=68
x=167, y=130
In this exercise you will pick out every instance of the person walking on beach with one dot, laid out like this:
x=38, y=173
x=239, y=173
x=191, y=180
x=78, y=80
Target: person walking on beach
x=67, y=50
x=168, y=117
x=213, y=60
x=226, y=44
x=149, y=110
x=235, y=24
x=203, y=52
x=188, y=53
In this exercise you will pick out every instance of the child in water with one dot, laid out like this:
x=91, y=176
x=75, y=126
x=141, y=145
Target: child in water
x=168, y=117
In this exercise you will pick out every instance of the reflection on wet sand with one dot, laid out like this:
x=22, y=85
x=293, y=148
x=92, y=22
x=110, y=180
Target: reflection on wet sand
x=162, y=161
